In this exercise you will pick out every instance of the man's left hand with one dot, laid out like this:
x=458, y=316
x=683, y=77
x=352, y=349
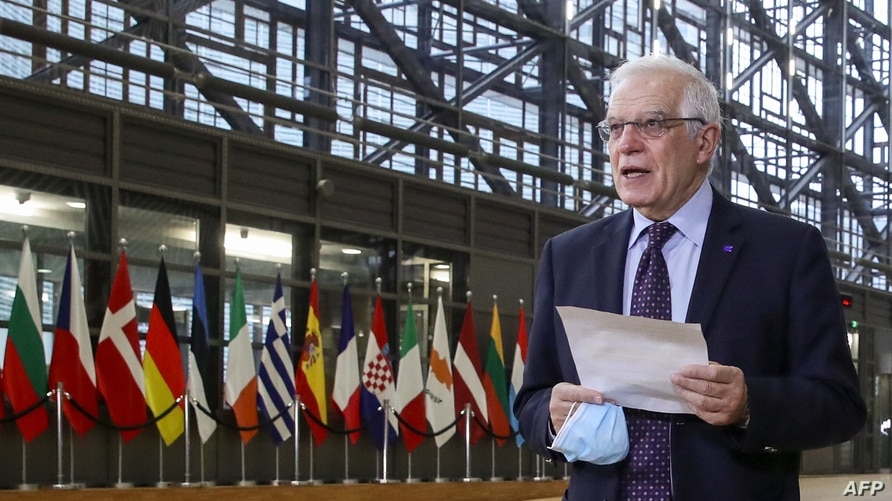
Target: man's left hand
x=715, y=393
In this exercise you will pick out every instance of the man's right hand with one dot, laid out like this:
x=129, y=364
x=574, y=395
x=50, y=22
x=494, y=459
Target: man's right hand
x=562, y=397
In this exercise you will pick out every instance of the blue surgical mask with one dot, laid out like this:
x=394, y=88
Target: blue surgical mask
x=594, y=433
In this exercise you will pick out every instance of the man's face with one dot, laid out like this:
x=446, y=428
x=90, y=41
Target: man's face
x=656, y=175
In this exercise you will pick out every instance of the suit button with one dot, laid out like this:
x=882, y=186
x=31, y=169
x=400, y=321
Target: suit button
x=769, y=449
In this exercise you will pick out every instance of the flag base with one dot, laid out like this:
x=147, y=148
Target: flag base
x=124, y=485
x=496, y=479
x=162, y=484
x=192, y=485
x=279, y=483
x=246, y=483
x=442, y=480
x=471, y=479
x=27, y=487
x=542, y=479
x=71, y=486
x=522, y=478
x=299, y=482
x=388, y=481
x=349, y=481
x=413, y=480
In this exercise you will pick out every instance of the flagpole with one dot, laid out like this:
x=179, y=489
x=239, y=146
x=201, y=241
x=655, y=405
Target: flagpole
x=187, y=474
x=347, y=480
x=540, y=473
x=409, y=477
x=467, y=418
x=297, y=405
x=161, y=483
x=386, y=409
x=74, y=485
x=121, y=484
x=276, y=480
x=25, y=486
x=492, y=442
x=520, y=464
x=244, y=482
x=312, y=481
x=60, y=477
x=439, y=479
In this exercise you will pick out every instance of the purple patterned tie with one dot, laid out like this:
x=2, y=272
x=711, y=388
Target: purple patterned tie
x=646, y=475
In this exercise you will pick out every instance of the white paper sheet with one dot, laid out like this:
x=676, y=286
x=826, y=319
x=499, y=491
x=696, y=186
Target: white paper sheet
x=629, y=359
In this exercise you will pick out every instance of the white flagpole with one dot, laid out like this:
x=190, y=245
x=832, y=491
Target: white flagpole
x=121, y=484
x=467, y=418
x=296, y=410
x=60, y=477
x=386, y=409
x=187, y=474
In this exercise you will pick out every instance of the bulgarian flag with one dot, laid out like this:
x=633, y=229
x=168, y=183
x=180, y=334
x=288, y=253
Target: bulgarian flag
x=24, y=366
x=241, y=378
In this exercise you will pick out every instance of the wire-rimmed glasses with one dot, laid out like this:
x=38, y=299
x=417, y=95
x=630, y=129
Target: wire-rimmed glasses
x=649, y=127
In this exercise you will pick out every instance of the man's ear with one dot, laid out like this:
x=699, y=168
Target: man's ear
x=709, y=140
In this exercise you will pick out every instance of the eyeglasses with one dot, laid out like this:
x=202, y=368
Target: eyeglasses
x=651, y=127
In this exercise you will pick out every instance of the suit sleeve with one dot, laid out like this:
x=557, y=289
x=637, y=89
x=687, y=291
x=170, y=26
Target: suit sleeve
x=543, y=368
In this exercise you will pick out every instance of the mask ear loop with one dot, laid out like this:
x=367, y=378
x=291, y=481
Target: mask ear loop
x=570, y=413
x=572, y=408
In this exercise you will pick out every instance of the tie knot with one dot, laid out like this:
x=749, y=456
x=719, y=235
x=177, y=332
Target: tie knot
x=660, y=233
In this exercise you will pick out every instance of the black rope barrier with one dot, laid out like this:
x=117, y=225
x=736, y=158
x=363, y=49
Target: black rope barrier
x=425, y=433
x=113, y=426
x=488, y=429
x=345, y=431
x=342, y=431
x=231, y=426
x=31, y=408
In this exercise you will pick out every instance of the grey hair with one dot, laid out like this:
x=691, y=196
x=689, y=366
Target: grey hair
x=700, y=98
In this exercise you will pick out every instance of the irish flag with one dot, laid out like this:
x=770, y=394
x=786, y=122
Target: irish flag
x=241, y=380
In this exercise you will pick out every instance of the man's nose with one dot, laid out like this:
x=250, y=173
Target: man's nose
x=630, y=140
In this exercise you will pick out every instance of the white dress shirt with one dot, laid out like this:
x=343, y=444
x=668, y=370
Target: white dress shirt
x=681, y=252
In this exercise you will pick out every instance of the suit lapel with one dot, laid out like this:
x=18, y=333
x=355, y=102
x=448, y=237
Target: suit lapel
x=608, y=263
x=721, y=247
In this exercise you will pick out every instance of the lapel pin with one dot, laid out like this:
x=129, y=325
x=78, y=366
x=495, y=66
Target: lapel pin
x=728, y=248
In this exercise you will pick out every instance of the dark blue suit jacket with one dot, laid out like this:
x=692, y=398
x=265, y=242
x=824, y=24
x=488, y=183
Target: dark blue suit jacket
x=767, y=302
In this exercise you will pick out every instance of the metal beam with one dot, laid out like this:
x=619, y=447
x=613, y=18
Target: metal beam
x=422, y=83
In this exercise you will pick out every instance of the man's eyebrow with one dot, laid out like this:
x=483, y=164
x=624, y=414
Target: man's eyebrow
x=648, y=113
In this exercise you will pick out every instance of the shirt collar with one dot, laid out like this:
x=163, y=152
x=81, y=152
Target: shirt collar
x=690, y=219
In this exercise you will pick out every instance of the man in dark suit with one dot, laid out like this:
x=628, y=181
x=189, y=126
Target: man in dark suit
x=781, y=377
